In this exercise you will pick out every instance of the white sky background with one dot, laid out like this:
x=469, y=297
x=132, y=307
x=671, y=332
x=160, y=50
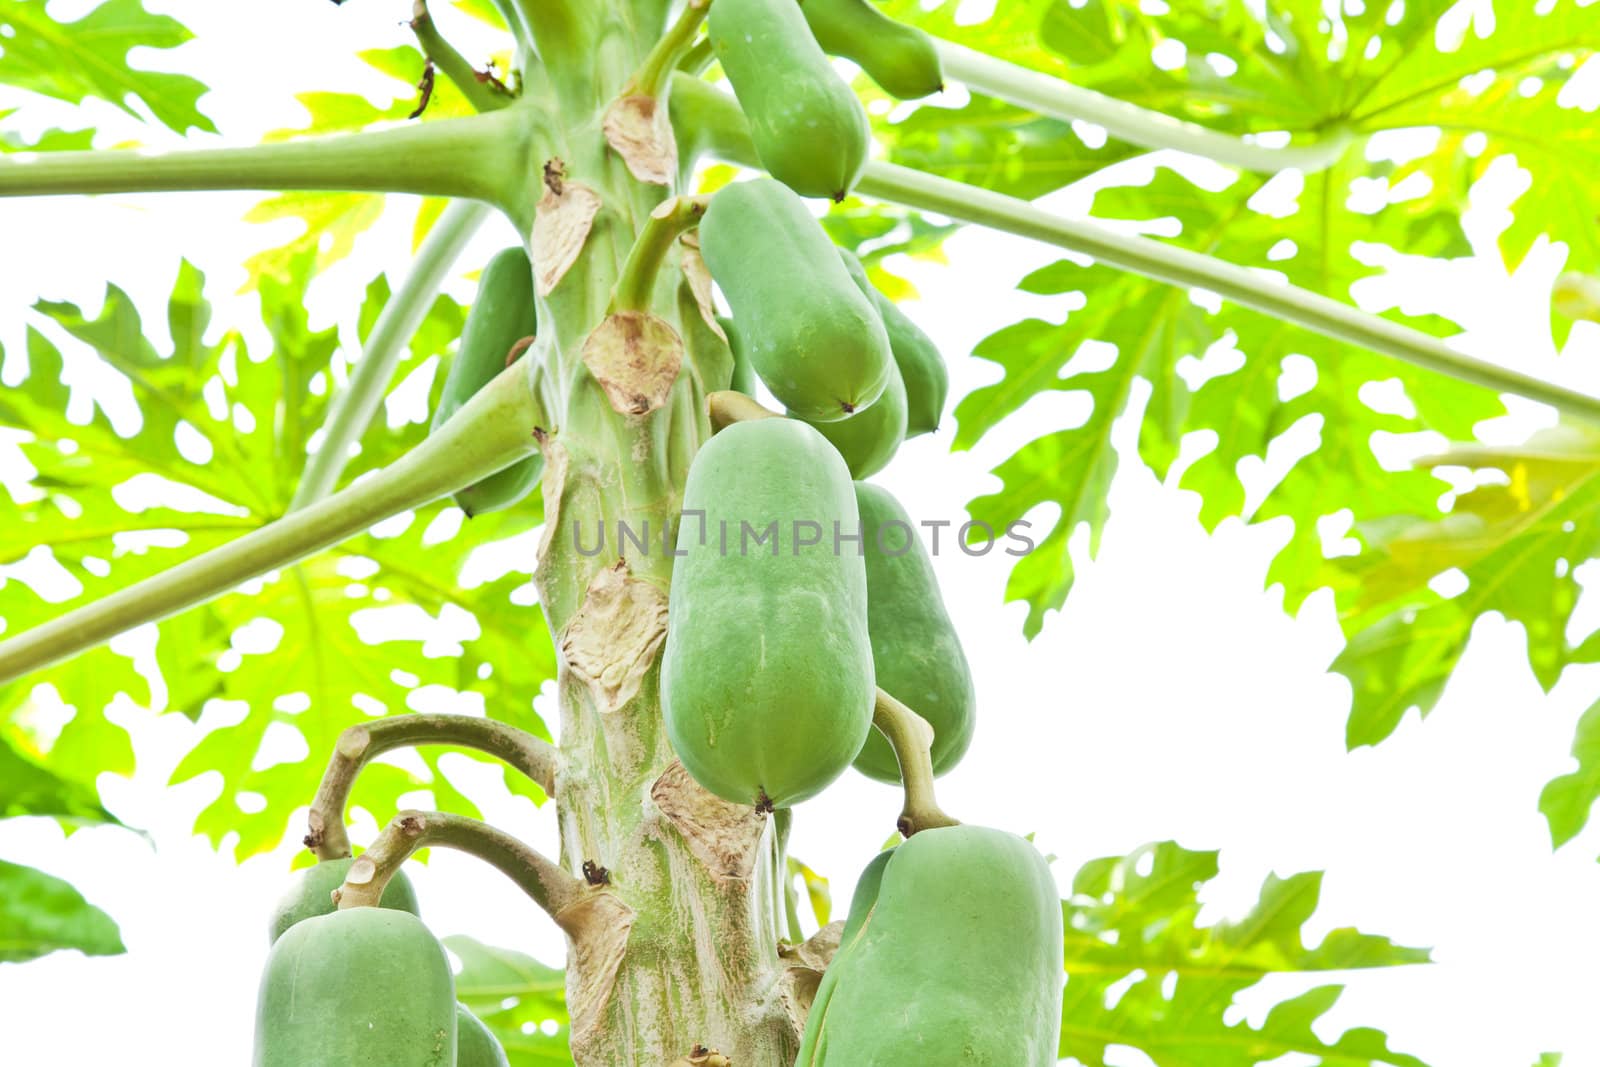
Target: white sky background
x=1172, y=698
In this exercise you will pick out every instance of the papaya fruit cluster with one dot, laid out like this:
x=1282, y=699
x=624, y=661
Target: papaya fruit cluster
x=782, y=636
x=361, y=986
x=780, y=632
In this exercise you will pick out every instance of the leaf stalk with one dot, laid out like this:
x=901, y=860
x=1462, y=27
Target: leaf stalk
x=496, y=428
x=1129, y=122
x=360, y=744
x=356, y=404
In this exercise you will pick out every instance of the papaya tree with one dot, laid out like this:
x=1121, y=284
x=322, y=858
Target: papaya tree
x=670, y=391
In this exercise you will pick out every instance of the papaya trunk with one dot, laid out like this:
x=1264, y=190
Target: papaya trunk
x=681, y=950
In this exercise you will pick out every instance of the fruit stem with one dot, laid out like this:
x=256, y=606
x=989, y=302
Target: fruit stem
x=698, y=59
x=669, y=49
x=360, y=744
x=484, y=94
x=1061, y=99
x=635, y=287
x=477, y=157
x=912, y=740
x=728, y=406
x=552, y=888
x=353, y=408
x=493, y=430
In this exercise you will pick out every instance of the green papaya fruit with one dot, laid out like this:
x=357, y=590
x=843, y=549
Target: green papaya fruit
x=916, y=653
x=744, y=375
x=476, y=1045
x=900, y=58
x=869, y=439
x=809, y=129
x=310, y=892
x=927, y=380
x=501, y=315
x=362, y=987
x=766, y=679
x=811, y=335
x=957, y=961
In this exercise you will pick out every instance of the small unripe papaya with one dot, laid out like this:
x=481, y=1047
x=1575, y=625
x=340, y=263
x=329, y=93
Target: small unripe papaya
x=869, y=439
x=310, y=892
x=956, y=961
x=921, y=365
x=476, y=1045
x=362, y=987
x=813, y=337
x=502, y=314
x=809, y=129
x=766, y=680
x=916, y=653
x=900, y=58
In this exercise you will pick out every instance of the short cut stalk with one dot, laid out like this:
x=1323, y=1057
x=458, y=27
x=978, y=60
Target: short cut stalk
x=635, y=287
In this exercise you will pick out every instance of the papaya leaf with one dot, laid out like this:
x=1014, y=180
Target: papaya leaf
x=377, y=625
x=1131, y=923
x=333, y=221
x=28, y=788
x=520, y=999
x=41, y=914
x=1567, y=801
x=88, y=59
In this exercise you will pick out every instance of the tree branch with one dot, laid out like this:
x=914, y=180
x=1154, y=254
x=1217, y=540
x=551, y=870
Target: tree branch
x=912, y=740
x=478, y=157
x=497, y=427
x=482, y=94
x=552, y=888
x=360, y=744
x=352, y=410
x=1129, y=122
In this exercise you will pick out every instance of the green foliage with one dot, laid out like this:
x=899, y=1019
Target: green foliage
x=40, y=914
x=521, y=1000
x=1567, y=800
x=1386, y=67
x=88, y=59
x=1131, y=923
x=255, y=413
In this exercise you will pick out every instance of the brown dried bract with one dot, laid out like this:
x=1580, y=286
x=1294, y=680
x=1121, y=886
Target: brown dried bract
x=612, y=640
x=561, y=225
x=635, y=356
x=698, y=275
x=638, y=130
